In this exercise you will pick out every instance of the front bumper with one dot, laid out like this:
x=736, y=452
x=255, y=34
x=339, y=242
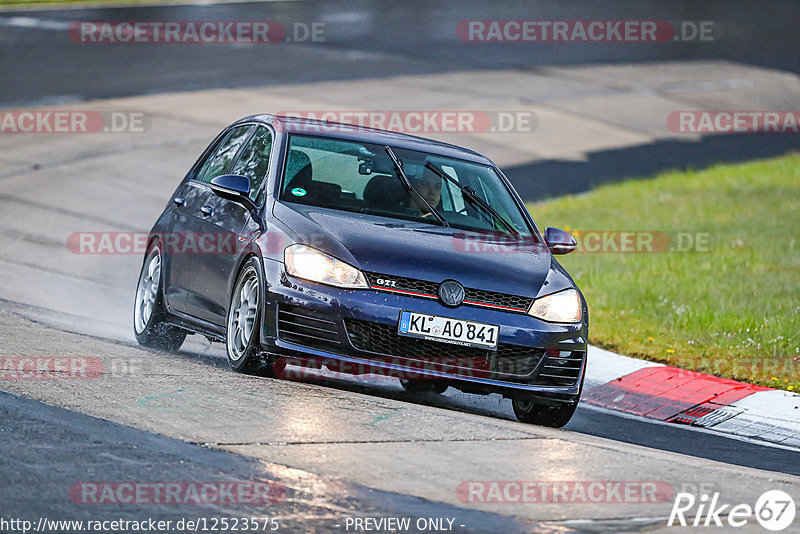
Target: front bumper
x=358, y=328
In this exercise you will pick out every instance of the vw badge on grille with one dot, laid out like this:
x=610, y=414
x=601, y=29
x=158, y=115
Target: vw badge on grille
x=451, y=293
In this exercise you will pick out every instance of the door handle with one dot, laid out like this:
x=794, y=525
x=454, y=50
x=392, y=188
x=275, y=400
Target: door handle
x=206, y=211
x=179, y=201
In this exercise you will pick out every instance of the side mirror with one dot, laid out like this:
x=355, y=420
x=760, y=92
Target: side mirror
x=559, y=241
x=233, y=187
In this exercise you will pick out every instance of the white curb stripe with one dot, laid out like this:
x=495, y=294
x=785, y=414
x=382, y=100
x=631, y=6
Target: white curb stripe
x=603, y=366
x=772, y=415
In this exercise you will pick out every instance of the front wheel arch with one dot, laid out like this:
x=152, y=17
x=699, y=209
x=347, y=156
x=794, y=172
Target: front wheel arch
x=262, y=281
x=252, y=360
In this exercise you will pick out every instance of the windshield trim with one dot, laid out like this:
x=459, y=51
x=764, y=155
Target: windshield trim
x=533, y=231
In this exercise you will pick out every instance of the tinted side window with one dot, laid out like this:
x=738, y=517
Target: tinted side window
x=254, y=162
x=219, y=161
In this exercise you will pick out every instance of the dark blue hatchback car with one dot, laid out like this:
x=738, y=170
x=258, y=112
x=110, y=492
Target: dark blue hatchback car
x=323, y=244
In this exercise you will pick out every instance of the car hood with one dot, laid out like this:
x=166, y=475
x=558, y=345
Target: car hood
x=427, y=252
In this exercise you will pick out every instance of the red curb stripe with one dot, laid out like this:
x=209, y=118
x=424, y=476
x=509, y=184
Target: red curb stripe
x=664, y=392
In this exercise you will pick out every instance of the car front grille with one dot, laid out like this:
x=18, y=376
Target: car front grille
x=308, y=328
x=481, y=297
x=424, y=289
x=383, y=340
x=561, y=369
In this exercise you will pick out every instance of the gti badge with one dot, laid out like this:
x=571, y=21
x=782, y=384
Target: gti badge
x=451, y=293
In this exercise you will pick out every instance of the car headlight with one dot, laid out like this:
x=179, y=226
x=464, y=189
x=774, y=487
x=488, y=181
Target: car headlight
x=305, y=262
x=562, y=307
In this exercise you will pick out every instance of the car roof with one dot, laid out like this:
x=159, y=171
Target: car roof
x=352, y=132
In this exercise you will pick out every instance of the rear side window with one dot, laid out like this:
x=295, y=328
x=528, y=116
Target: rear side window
x=220, y=159
x=254, y=162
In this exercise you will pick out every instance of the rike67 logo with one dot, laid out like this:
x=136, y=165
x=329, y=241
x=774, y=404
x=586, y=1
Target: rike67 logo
x=774, y=510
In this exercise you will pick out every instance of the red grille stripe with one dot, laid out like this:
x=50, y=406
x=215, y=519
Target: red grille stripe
x=494, y=306
x=404, y=291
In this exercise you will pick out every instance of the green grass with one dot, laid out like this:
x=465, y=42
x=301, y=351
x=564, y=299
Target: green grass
x=733, y=310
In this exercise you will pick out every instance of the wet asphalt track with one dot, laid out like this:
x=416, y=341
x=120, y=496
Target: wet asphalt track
x=361, y=40
x=364, y=40
x=353, y=448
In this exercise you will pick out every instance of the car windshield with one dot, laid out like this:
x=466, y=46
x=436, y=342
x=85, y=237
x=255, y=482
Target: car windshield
x=361, y=177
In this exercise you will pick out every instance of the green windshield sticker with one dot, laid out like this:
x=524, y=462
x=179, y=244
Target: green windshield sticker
x=299, y=192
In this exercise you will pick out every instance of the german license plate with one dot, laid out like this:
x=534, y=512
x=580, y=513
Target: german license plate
x=447, y=330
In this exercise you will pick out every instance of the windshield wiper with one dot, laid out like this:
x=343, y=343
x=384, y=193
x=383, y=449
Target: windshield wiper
x=416, y=195
x=470, y=194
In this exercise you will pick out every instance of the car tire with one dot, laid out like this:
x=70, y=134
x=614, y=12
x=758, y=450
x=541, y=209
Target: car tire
x=242, y=340
x=149, y=313
x=536, y=413
x=424, y=386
